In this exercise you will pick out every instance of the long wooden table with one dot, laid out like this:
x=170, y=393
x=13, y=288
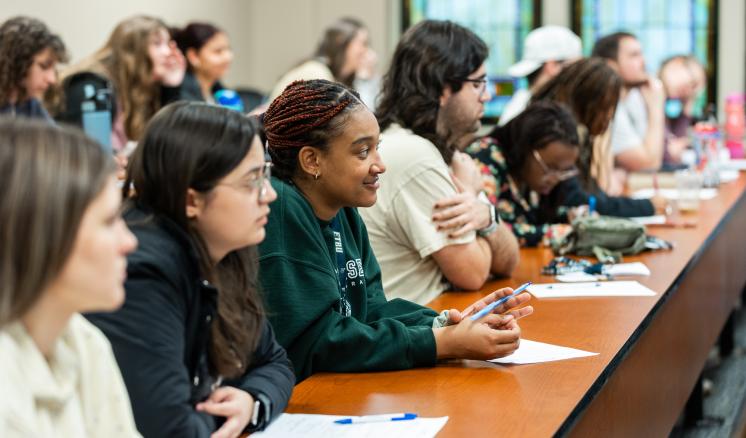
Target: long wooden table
x=652, y=349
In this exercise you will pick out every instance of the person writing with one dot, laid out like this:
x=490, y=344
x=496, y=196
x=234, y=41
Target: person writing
x=523, y=162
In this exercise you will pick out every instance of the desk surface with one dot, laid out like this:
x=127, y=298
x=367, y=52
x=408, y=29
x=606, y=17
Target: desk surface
x=484, y=399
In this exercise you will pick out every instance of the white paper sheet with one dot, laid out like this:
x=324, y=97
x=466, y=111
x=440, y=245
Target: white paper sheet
x=626, y=269
x=590, y=289
x=650, y=220
x=576, y=277
x=728, y=175
x=536, y=352
x=739, y=164
x=323, y=426
x=704, y=194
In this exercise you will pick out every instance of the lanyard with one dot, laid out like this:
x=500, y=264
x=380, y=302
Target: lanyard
x=344, y=305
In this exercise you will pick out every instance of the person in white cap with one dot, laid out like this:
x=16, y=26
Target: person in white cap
x=545, y=50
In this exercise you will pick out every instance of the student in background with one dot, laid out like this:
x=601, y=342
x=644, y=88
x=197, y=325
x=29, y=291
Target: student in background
x=63, y=252
x=589, y=88
x=683, y=79
x=144, y=67
x=340, y=53
x=29, y=54
x=430, y=229
x=208, y=53
x=545, y=51
x=321, y=280
x=638, y=130
x=195, y=349
x=523, y=162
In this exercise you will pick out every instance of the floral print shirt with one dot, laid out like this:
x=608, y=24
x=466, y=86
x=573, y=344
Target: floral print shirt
x=518, y=209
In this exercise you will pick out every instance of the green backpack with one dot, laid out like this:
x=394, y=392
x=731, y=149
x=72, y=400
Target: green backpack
x=606, y=237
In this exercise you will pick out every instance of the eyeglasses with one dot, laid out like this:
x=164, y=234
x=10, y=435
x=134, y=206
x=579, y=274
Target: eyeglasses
x=481, y=84
x=559, y=175
x=257, y=179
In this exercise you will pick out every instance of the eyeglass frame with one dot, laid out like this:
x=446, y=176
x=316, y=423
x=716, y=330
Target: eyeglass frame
x=483, y=87
x=260, y=183
x=561, y=175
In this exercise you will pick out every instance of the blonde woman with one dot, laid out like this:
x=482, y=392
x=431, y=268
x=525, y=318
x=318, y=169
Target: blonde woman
x=143, y=65
x=63, y=252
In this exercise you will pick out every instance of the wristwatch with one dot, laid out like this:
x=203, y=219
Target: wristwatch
x=262, y=413
x=494, y=217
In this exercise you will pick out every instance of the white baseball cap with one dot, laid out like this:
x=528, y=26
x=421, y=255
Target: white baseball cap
x=546, y=43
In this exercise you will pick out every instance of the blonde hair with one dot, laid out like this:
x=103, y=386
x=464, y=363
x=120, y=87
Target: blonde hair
x=49, y=177
x=125, y=61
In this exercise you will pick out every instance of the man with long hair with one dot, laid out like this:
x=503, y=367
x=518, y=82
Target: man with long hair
x=429, y=228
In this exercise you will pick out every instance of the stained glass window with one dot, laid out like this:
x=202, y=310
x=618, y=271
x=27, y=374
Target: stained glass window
x=664, y=28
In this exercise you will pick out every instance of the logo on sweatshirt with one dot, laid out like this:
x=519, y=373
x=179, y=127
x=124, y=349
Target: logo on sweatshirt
x=355, y=272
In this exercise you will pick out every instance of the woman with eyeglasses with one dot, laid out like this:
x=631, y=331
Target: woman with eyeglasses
x=591, y=89
x=195, y=348
x=523, y=162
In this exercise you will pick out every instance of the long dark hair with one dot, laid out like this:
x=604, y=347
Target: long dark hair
x=591, y=89
x=430, y=56
x=333, y=46
x=307, y=113
x=540, y=124
x=194, y=145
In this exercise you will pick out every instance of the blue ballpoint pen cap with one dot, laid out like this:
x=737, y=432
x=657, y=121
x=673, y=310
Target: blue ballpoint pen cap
x=407, y=416
x=403, y=417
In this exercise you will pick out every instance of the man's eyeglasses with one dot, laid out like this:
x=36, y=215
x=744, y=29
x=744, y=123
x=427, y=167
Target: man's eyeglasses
x=559, y=175
x=479, y=84
x=257, y=179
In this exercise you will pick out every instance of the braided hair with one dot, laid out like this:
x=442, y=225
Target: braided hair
x=307, y=113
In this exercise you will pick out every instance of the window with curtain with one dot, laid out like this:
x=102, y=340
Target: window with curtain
x=502, y=24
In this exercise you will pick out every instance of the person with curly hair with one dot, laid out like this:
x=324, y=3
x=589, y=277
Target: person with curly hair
x=30, y=53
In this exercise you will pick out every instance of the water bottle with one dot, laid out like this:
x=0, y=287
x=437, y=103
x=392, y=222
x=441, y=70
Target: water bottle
x=706, y=141
x=229, y=99
x=734, y=124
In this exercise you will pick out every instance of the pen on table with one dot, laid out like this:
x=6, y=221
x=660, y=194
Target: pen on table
x=404, y=416
x=488, y=308
x=674, y=224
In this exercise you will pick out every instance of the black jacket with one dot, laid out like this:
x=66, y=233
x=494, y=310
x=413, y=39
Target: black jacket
x=160, y=338
x=574, y=195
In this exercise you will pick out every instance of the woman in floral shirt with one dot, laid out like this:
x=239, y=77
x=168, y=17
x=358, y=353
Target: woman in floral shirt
x=523, y=162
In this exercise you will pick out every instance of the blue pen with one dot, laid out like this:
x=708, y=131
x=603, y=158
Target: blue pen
x=591, y=204
x=488, y=308
x=377, y=418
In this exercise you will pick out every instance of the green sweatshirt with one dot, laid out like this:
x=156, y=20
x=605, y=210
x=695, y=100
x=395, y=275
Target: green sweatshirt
x=302, y=294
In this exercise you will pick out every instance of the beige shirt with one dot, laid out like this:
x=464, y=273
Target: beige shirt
x=400, y=224
x=78, y=392
x=311, y=69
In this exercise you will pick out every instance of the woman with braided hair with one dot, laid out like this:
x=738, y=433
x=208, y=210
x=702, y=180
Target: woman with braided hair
x=321, y=281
